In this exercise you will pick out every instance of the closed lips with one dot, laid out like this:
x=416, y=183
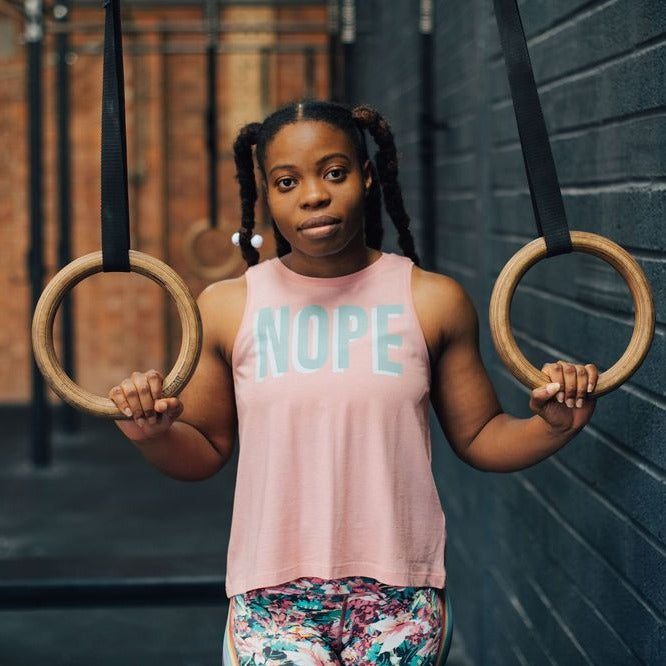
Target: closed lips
x=322, y=221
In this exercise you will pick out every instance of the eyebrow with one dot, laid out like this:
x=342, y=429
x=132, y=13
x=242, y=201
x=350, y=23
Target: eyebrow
x=319, y=161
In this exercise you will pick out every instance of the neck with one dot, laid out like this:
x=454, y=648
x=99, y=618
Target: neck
x=335, y=265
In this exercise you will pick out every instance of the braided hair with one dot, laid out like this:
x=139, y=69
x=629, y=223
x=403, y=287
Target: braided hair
x=353, y=123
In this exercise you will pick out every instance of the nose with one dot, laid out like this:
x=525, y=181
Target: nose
x=314, y=194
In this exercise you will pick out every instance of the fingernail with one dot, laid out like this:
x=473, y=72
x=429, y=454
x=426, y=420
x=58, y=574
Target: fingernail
x=560, y=396
x=152, y=420
x=552, y=387
x=141, y=422
x=127, y=412
x=570, y=403
x=590, y=388
x=579, y=403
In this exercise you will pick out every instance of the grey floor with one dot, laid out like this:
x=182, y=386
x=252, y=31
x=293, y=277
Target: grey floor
x=99, y=518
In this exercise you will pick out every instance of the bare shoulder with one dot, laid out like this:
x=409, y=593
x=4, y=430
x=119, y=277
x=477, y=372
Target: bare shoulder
x=444, y=308
x=222, y=305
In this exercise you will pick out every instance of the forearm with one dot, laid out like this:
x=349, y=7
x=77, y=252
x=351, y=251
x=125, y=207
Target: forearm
x=182, y=452
x=508, y=444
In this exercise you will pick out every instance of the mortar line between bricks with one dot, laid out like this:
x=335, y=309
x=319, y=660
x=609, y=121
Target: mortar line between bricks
x=646, y=254
x=520, y=657
x=498, y=235
x=457, y=194
x=575, y=15
x=452, y=158
x=559, y=620
x=512, y=599
x=460, y=232
x=644, y=532
x=652, y=398
x=566, y=629
x=642, y=253
x=622, y=580
x=514, y=602
x=582, y=129
x=595, y=69
x=600, y=187
x=457, y=120
x=588, y=601
x=611, y=506
x=586, y=308
x=446, y=92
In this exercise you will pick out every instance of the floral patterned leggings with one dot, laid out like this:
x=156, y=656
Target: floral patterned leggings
x=357, y=620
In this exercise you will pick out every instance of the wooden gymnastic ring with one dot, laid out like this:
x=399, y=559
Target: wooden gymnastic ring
x=213, y=272
x=71, y=275
x=598, y=246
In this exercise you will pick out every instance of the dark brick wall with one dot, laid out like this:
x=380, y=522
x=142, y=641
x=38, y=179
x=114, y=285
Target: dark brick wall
x=563, y=563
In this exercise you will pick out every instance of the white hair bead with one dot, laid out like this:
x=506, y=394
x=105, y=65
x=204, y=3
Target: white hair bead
x=235, y=238
x=257, y=241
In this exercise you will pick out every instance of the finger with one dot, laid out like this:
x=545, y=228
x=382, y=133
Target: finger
x=570, y=382
x=168, y=406
x=145, y=396
x=542, y=394
x=592, y=377
x=554, y=371
x=581, y=385
x=155, y=382
x=132, y=397
x=117, y=395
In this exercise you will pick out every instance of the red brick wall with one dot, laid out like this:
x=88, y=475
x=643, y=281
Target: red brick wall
x=123, y=321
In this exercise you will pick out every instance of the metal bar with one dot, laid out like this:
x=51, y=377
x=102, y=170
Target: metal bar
x=334, y=77
x=426, y=139
x=195, y=27
x=310, y=73
x=348, y=37
x=96, y=48
x=211, y=111
x=136, y=168
x=71, y=418
x=265, y=74
x=40, y=413
x=165, y=124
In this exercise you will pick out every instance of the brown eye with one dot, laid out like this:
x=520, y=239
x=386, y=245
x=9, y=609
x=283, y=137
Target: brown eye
x=285, y=183
x=336, y=174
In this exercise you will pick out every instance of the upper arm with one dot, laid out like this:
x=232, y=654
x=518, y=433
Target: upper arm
x=208, y=399
x=461, y=392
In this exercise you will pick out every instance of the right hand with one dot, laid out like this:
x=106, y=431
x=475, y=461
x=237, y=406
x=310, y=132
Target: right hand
x=140, y=396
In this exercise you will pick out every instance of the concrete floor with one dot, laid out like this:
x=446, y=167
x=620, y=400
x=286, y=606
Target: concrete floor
x=105, y=561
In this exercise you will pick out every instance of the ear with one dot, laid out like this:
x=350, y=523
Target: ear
x=367, y=176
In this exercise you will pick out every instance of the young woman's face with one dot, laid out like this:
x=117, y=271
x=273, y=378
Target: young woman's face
x=316, y=188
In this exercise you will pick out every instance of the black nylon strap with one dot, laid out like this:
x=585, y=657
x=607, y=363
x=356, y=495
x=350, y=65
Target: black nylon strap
x=211, y=134
x=115, y=206
x=542, y=178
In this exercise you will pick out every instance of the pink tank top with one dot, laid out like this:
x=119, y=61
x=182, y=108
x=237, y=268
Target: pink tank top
x=334, y=477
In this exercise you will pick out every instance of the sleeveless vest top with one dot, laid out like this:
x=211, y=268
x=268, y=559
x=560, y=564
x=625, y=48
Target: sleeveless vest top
x=334, y=479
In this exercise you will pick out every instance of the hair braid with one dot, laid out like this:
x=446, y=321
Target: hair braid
x=386, y=159
x=246, y=138
x=374, y=229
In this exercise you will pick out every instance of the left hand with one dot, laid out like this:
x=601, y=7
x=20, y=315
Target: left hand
x=568, y=408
